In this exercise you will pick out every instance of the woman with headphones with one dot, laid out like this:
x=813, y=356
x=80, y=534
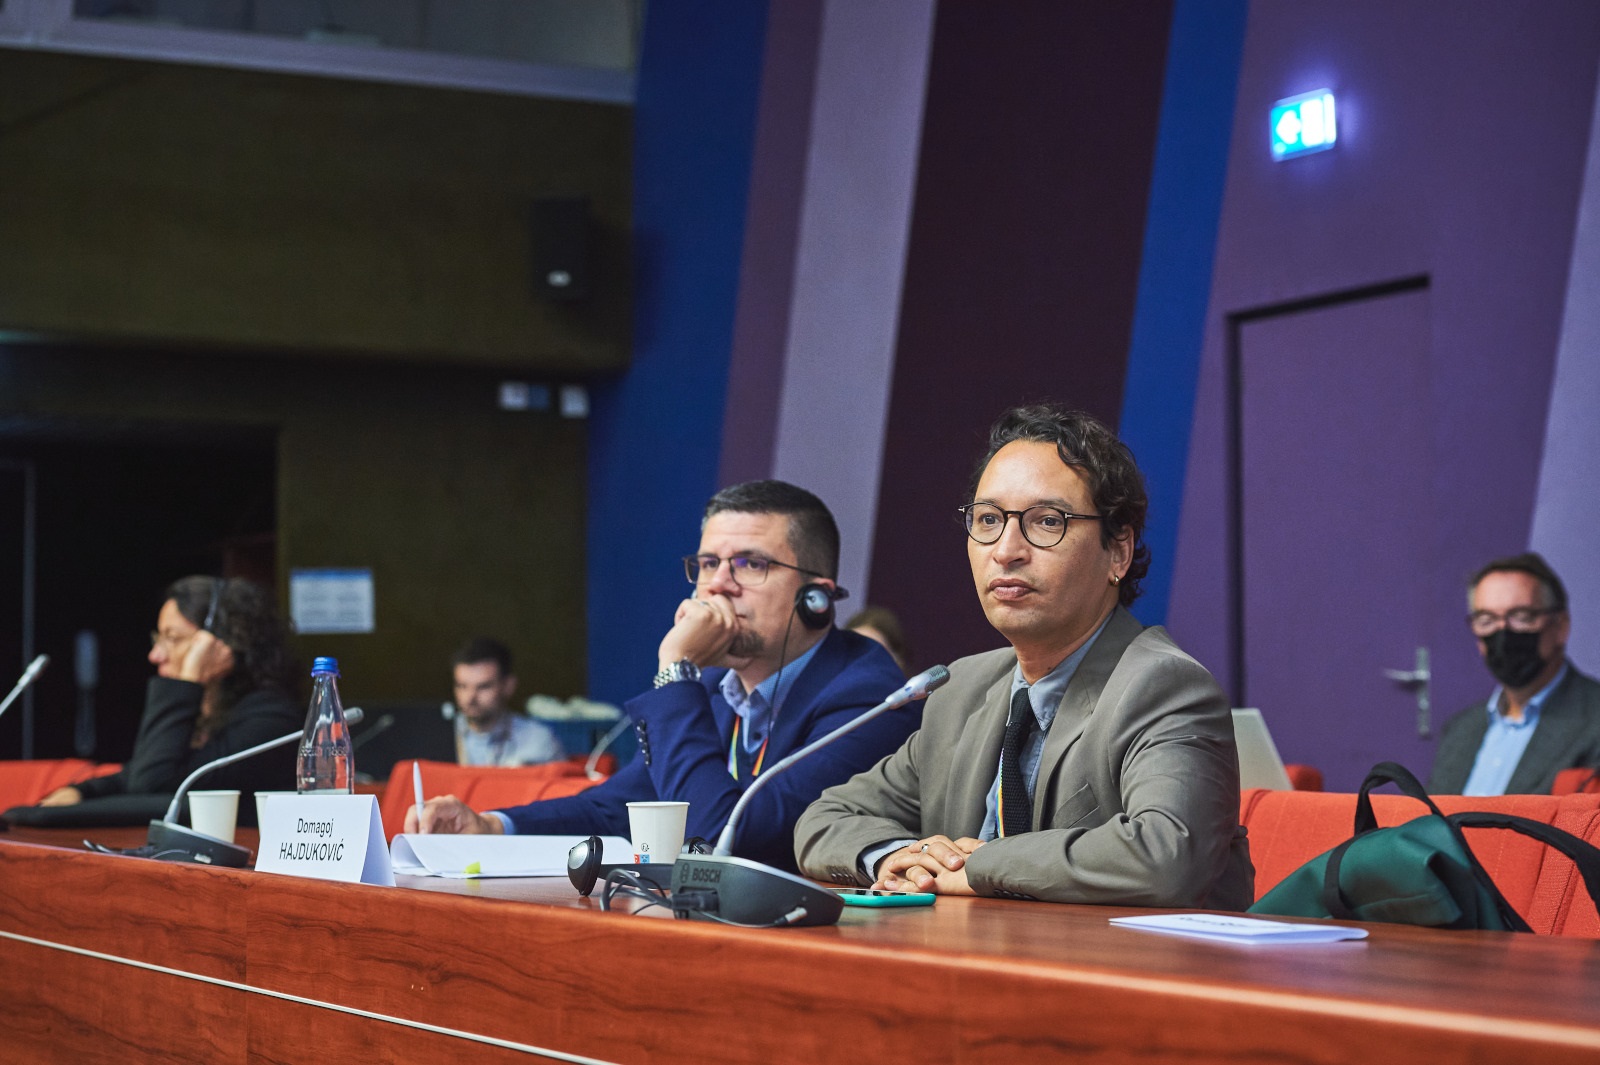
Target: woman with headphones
x=224, y=682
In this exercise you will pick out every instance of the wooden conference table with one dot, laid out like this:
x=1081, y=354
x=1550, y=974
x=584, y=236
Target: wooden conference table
x=128, y=960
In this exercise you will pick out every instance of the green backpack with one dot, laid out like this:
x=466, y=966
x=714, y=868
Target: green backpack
x=1421, y=872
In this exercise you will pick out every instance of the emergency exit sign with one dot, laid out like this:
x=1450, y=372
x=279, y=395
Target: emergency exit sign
x=1304, y=124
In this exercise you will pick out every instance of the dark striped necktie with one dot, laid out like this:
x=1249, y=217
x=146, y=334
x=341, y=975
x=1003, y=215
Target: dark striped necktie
x=1016, y=812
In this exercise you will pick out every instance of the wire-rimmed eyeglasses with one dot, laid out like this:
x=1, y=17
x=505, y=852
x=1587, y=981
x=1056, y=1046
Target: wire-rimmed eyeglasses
x=1517, y=619
x=1042, y=525
x=748, y=571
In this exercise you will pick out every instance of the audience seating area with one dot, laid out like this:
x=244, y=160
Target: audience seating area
x=480, y=788
x=25, y=783
x=1289, y=828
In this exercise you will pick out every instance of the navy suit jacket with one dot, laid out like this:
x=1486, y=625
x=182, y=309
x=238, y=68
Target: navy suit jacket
x=1568, y=735
x=685, y=729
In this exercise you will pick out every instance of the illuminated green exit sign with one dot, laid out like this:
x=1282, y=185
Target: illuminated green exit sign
x=1303, y=124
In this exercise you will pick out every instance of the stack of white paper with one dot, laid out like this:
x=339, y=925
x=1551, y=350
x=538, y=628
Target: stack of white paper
x=1230, y=928
x=464, y=857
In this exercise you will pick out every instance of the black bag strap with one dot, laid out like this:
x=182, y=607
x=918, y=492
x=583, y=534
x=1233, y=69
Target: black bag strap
x=1585, y=856
x=1388, y=773
x=1333, y=897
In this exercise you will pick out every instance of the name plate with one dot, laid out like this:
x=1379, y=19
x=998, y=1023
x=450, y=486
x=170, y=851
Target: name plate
x=325, y=837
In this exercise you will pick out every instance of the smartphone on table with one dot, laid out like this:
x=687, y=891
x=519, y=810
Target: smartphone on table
x=861, y=896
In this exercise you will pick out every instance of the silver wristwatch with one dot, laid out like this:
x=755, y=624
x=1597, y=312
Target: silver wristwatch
x=682, y=669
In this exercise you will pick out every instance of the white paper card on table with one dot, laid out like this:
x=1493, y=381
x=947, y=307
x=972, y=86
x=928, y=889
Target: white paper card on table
x=326, y=837
x=1229, y=928
x=463, y=857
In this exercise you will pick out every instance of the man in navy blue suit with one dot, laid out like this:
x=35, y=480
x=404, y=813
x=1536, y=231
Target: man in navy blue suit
x=751, y=670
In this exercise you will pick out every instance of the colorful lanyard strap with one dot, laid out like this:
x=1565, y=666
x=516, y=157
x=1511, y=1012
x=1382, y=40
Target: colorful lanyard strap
x=733, y=751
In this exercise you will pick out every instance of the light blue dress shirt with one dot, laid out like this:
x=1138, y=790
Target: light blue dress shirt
x=757, y=710
x=1045, y=698
x=1506, y=741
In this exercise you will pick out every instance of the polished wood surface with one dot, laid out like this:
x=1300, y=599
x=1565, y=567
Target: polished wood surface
x=245, y=967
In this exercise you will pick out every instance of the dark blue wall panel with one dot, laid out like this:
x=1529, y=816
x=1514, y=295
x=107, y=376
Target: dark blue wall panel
x=1203, y=51
x=655, y=433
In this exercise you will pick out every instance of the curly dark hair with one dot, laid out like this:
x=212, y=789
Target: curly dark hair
x=1106, y=465
x=241, y=614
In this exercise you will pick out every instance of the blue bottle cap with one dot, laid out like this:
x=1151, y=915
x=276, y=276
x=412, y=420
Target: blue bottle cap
x=325, y=665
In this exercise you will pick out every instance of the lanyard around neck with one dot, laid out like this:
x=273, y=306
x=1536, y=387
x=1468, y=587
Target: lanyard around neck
x=733, y=749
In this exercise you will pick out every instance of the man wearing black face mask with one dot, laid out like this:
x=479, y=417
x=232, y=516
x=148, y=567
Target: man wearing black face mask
x=1543, y=716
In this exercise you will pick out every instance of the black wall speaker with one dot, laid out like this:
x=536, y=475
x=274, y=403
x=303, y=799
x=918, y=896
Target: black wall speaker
x=560, y=243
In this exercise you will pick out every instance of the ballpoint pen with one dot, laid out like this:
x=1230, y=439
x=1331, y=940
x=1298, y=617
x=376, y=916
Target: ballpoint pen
x=416, y=785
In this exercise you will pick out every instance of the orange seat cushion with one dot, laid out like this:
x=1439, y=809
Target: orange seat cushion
x=480, y=787
x=1289, y=828
x=25, y=783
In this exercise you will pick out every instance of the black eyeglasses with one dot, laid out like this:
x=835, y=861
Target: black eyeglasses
x=1517, y=619
x=1042, y=526
x=749, y=571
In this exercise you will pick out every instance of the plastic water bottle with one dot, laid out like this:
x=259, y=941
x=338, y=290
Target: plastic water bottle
x=327, y=764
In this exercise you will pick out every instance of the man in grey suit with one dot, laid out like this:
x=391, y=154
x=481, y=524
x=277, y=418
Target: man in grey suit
x=1543, y=716
x=1090, y=761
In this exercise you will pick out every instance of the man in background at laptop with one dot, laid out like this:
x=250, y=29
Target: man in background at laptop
x=1543, y=715
x=488, y=730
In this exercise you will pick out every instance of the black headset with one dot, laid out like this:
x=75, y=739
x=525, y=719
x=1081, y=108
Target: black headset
x=813, y=604
x=585, y=864
x=217, y=585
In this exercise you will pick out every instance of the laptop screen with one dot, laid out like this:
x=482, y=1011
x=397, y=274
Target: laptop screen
x=1259, y=763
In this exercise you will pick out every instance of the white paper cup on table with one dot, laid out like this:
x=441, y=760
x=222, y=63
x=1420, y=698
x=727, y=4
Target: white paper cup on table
x=657, y=829
x=214, y=813
x=261, y=804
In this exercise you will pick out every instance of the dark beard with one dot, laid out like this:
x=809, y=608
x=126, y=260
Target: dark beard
x=746, y=644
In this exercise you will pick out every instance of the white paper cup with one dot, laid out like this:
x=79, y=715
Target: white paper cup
x=214, y=813
x=657, y=829
x=261, y=804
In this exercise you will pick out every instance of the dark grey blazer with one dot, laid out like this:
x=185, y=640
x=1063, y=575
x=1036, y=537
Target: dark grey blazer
x=1137, y=797
x=1568, y=735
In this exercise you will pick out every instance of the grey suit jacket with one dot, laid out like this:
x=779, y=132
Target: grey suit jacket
x=1137, y=798
x=1568, y=735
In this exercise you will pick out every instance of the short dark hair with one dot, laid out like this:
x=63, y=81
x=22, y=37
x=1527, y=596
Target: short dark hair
x=484, y=649
x=813, y=536
x=243, y=616
x=1534, y=565
x=1106, y=465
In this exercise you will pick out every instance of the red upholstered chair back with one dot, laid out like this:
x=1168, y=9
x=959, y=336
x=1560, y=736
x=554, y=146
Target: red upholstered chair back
x=1303, y=777
x=480, y=787
x=1289, y=828
x=1575, y=781
x=25, y=783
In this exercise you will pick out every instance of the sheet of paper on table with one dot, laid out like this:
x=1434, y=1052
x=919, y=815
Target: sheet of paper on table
x=1231, y=928
x=465, y=857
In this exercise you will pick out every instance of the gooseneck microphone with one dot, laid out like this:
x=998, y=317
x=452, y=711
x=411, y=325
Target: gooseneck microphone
x=29, y=675
x=171, y=841
x=742, y=891
x=916, y=688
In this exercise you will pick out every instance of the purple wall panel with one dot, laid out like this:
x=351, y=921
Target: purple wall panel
x=1038, y=137
x=1568, y=509
x=1462, y=139
x=766, y=269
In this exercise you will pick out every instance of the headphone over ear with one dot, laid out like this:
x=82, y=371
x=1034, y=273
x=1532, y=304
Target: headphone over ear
x=813, y=604
x=217, y=585
x=586, y=865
